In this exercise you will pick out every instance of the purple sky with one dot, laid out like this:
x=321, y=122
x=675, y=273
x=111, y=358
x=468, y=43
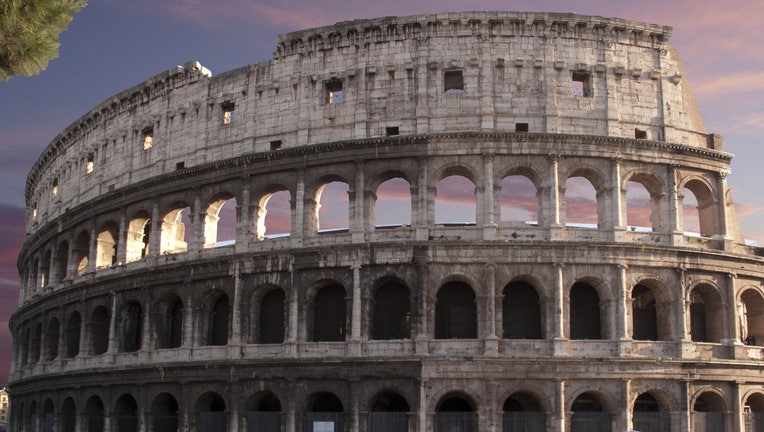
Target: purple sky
x=114, y=44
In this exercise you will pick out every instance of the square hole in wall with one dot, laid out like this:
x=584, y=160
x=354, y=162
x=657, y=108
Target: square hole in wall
x=276, y=145
x=521, y=127
x=453, y=82
x=581, y=84
x=180, y=165
x=392, y=131
x=334, y=92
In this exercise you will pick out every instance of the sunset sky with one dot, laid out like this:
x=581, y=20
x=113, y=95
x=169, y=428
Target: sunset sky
x=112, y=45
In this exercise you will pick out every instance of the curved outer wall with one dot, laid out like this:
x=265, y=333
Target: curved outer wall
x=131, y=315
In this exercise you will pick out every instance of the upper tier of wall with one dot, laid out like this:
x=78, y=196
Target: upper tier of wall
x=552, y=73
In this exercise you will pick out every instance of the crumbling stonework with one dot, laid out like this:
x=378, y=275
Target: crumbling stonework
x=134, y=316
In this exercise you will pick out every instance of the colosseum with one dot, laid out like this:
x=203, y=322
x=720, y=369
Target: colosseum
x=279, y=247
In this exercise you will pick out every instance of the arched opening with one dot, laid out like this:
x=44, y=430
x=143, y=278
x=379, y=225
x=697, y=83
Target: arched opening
x=217, y=331
x=699, y=209
x=455, y=201
x=99, y=331
x=106, y=245
x=138, y=235
x=644, y=314
x=47, y=422
x=581, y=206
x=521, y=311
x=639, y=207
x=456, y=413
x=271, y=318
x=456, y=312
x=51, y=339
x=519, y=199
x=34, y=353
x=751, y=317
x=220, y=222
x=45, y=269
x=333, y=207
x=584, y=312
x=523, y=413
x=706, y=314
x=329, y=314
x=708, y=413
x=131, y=323
x=275, y=216
x=24, y=349
x=753, y=413
x=392, y=206
x=323, y=412
x=388, y=413
x=211, y=413
x=62, y=261
x=649, y=415
x=174, y=238
x=94, y=415
x=392, y=312
x=126, y=413
x=164, y=413
x=36, y=278
x=67, y=418
x=589, y=415
x=263, y=412
x=30, y=421
x=169, y=324
x=72, y=335
x=81, y=251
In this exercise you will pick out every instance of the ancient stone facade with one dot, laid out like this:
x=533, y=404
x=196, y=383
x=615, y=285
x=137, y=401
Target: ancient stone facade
x=137, y=315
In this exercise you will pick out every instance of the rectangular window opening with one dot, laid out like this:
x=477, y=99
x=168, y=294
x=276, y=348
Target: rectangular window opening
x=521, y=127
x=275, y=145
x=89, y=164
x=392, y=131
x=180, y=165
x=580, y=85
x=54, y=188
x=228, y=110
x=148, y=138
x=640, y=134
x=453, y=82
x=334, y=91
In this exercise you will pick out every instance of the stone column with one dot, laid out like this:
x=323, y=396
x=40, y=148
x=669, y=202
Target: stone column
x=146, y=342
x=188, y=325
x=245, y=228
x=422, y=331
x=198, y=218
x=721, y=199
x=624, y=422
x=617, y=200
x=558, y=419
x=424, y=216
x=112, y=347
x=236, y=311
x=355, y=313
x=487, y=211
x=622, y=306
x=356, y=212
x=732, y=324
x=155, y=236
x=559, y=315
x=298, y=211
x=738, y=425
x=675, y=227
x=554, y=189
x=92, y=250
x=293, y=314
x=121, y=239
x=491, y=340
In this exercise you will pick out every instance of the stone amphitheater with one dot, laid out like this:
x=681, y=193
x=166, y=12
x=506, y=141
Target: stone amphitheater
x=165, y=288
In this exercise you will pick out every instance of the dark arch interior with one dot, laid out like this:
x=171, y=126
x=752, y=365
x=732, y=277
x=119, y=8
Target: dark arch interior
x=324, y=402
x=390, y=401
x=455, y=404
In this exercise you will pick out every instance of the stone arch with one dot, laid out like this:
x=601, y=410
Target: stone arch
x=47, y=422
x=268, y=315
x=706, y=313
x=325, y=408
x=220, y=220
x=591, y=412
x=215, y=319
x=263, y=409
x=388, y=411
x=72, y=335
x=81, y=252
x=99, y=330
x=456, y=311
x=391, y=200
x=125, y=413
x=519, y=195
x=328, y=312
x=750, y=309
x=651, y=310
x=391, y=310
x=210, y=409
x=173, y=237
x=107, y=244
x=656, y=201
x=138, y=235
x=131, y=326
x=456, y=411
x=94, y=415
x=169, y=321
x=650, y=412
x=274, y=212
x=521, y=311
x=523, y=411
x=67, y=416
x=707, y=210
x=709, y=410
x=164, y=413
x=51, y=339
x=455, y=199
x=753, y=410
x=585, y=315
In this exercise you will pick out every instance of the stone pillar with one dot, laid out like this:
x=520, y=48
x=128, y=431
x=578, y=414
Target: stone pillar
x=92, y=250
x=624, y=420
x=675, y=227
x=121, y=239
x=298, y=210
x=491, y=340
x=559, y=316
x=622, y=308
x=732, y=324
x=356, y=313
x=244, y=219
x=721, y=199
x=617, y=195
x=188, y=325
x=487, y=211
x=422, y=330
x=155, y=236
x=738, y=425
x=146, y=342
x=424, y=216
x=554, y=190
x=559, y=416
x=84, y=347
x=112, y=347
x=293, y=314
x=235, y=339
x=356, y=212
x=199, y=221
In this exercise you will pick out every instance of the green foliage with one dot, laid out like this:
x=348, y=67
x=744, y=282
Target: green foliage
x=29, y=31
